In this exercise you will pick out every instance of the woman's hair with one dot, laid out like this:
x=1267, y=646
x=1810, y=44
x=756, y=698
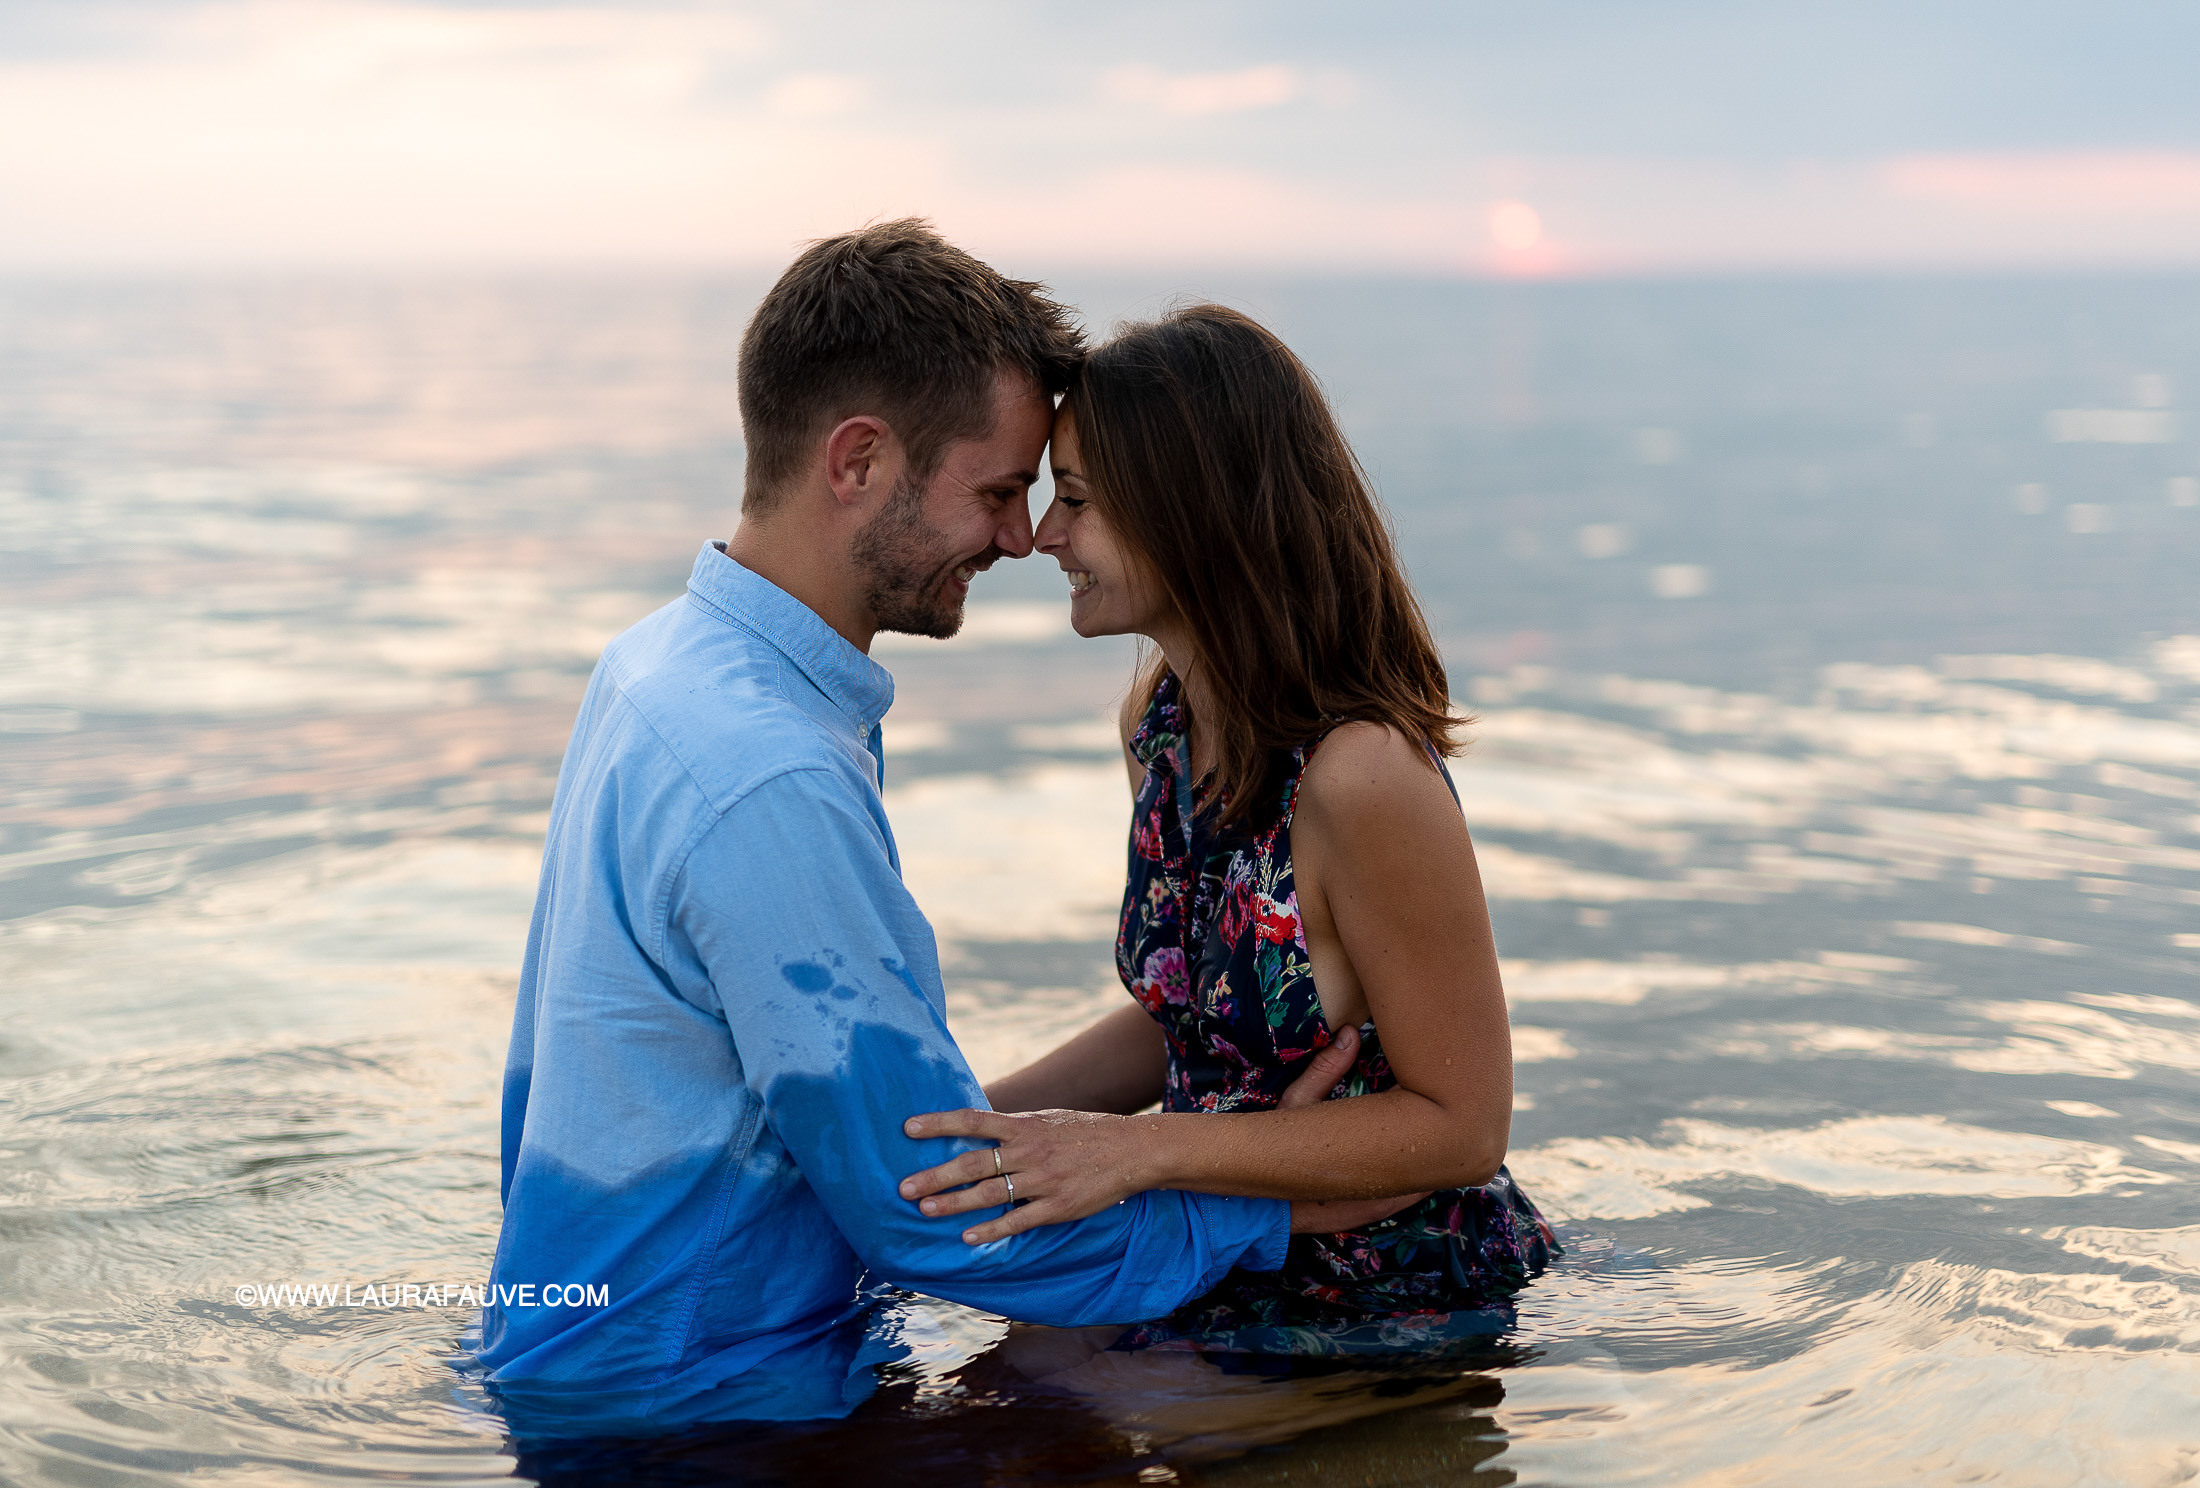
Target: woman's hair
x=1216, y=460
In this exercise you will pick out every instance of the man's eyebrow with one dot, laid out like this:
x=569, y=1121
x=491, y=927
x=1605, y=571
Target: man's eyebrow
x=1013, y=478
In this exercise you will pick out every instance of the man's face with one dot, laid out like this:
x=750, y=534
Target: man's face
x=920, y=551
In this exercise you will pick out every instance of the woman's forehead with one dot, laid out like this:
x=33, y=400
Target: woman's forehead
x=1063, y=450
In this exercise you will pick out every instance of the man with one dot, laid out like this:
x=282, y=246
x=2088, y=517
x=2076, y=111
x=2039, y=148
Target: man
x=730, y=1003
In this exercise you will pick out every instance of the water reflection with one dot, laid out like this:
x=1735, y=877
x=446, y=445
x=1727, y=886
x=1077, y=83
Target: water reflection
x=1850, y=908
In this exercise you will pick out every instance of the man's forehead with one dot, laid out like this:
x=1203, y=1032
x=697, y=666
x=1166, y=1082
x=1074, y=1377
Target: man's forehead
x=1008, y=454
x=1022, y=415
x=1003, y=459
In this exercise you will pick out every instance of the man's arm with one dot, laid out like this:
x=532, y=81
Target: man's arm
x=1119, y=1064
x=1399, y=884
x=827, y=976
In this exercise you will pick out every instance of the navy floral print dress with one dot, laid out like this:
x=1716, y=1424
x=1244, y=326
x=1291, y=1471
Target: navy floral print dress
x=1211, y=945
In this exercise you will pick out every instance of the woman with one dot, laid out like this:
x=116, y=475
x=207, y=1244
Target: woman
x=1300, y=875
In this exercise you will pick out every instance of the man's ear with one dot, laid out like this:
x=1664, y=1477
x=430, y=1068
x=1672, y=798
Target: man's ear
x=863, y=459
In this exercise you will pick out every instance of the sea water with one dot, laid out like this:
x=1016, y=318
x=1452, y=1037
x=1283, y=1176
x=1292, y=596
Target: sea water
x=1835, y=654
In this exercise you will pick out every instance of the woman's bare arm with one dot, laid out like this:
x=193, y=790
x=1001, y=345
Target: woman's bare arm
x=1405, y=899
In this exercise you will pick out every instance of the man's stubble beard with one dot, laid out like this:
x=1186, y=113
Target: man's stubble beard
x=902, y=559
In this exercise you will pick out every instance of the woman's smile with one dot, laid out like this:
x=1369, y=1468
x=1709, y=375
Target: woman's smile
x=1111, y=591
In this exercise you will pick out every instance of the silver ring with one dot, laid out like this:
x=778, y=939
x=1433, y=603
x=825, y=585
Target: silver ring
x=997, y=1164
x=1011, y=1189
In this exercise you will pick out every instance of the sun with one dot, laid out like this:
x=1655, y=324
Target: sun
x=1515, y=226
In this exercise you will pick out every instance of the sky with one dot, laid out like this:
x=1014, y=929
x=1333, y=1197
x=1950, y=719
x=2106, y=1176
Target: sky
x=1570, y=138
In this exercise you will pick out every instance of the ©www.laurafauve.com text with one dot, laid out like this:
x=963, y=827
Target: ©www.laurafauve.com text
x=421, y=1294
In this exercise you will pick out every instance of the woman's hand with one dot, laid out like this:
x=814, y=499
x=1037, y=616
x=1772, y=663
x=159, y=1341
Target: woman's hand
x=1054, y=1166
x=1058, y=1166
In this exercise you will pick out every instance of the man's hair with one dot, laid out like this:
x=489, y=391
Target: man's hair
x=895, y=321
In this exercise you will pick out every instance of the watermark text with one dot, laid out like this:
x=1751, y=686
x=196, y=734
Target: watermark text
x=391, y=1294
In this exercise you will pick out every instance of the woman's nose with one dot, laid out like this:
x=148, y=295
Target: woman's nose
x=1053, y=530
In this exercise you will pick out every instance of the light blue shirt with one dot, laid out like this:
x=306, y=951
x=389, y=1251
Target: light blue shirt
x=729, y=1005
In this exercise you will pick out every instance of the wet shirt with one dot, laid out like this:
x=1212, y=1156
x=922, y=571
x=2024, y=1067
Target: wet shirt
x=729, y=1005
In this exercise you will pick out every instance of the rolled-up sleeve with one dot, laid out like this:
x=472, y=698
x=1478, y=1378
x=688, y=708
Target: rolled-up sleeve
x=827, y=976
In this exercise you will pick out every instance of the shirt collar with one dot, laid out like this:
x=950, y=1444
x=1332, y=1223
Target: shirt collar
x=857, y=685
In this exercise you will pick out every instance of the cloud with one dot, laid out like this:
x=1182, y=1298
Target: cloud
x=1157, y=213
x=817, y=95
x=1191, y=94
x=239, y=132
x=350, y=129
x=2143, y=183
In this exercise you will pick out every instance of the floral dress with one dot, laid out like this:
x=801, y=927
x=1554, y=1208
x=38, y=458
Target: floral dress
x=1211, y=945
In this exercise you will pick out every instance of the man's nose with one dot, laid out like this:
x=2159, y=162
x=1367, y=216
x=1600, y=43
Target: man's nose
x=1014, y=536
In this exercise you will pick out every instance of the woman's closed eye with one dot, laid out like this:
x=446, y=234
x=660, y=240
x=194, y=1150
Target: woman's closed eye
x=1074, y=503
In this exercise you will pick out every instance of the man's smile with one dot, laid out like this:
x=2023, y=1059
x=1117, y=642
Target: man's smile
x=963, y=572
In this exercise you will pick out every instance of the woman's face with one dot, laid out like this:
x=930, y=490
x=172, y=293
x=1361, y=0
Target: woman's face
x=1110, y=591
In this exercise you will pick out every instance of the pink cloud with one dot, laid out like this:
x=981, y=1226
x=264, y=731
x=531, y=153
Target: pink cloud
x=1195, y=93
x=388, y=131
x=2134, y=181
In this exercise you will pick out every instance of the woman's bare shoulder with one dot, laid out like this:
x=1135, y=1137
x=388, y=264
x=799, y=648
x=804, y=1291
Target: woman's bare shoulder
x=1365, y=771
x=1370, y=754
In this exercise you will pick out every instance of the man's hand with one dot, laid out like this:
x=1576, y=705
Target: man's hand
x=1333, y=1216
x=1331, y=1063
